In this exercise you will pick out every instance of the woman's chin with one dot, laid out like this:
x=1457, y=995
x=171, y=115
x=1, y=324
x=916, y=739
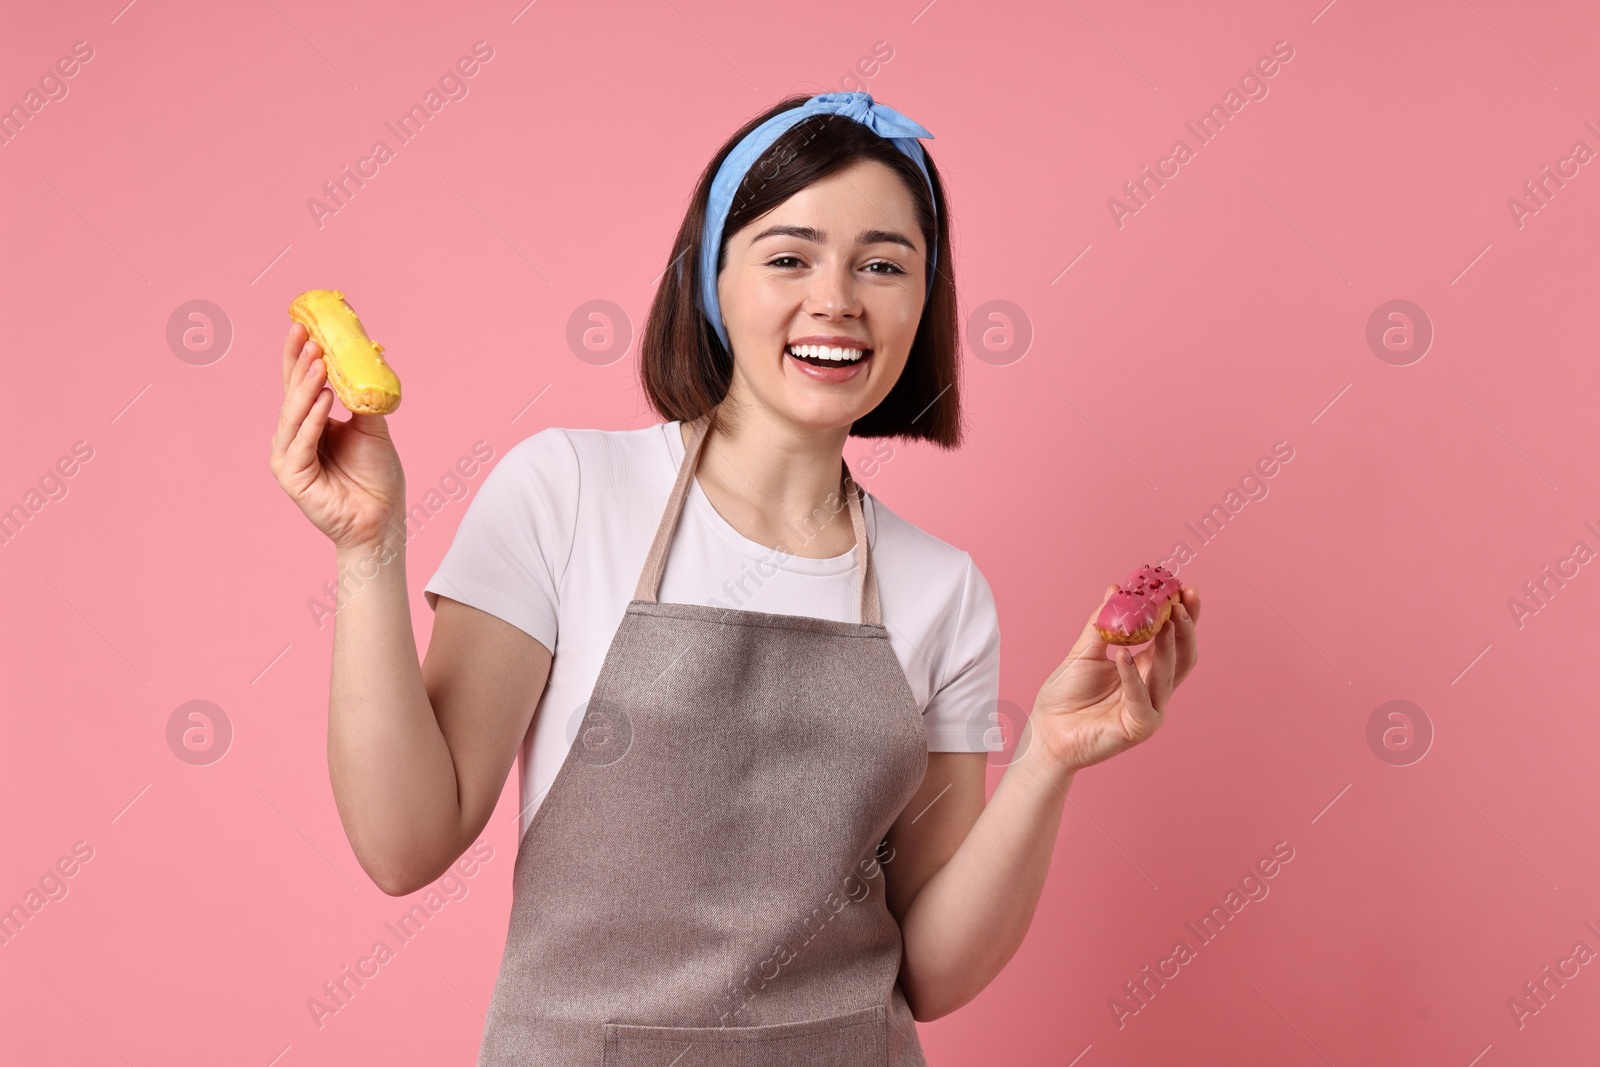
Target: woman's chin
x=822, y=414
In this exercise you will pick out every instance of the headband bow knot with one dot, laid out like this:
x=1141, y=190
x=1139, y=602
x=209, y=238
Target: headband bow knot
x=881, y=119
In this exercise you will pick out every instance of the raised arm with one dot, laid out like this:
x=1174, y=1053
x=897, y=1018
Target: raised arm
x=417, y=752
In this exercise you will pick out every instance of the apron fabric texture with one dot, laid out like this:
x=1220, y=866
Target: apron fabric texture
x=703, y=884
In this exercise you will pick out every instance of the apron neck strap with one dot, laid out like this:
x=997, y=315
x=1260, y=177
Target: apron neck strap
x=656, y=562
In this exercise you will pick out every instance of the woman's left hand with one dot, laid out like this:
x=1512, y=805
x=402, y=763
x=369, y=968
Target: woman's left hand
x=1091, y=707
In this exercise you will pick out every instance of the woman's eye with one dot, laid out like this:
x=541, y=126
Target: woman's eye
x=894, y=267
x=782, y=259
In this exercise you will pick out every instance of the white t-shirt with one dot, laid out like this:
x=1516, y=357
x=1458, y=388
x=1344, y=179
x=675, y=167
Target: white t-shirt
x=556, y=538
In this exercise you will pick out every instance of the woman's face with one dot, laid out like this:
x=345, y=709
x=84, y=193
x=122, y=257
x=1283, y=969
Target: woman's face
x=842, y=259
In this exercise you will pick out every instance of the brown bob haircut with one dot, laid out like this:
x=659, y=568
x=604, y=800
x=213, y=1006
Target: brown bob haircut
x=683, y=364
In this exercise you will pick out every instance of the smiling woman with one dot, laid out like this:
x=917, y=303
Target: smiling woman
x=697, y=778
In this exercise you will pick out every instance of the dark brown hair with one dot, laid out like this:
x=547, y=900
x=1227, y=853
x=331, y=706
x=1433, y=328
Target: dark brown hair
x=683, y=364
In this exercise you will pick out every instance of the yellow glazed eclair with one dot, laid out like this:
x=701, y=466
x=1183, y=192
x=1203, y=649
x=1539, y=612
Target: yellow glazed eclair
x=360, y=378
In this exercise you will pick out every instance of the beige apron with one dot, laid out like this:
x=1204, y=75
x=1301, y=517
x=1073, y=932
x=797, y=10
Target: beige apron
x=701, y=886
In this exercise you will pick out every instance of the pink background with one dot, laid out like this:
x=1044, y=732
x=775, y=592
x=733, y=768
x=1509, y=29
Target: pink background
x=1229, y=313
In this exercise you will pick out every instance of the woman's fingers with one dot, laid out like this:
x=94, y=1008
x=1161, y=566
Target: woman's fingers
x=1128, y=671
x=1136, y=696
x=295, y=404
x=1191, y=602
x=1188, y=647
x=292, y=346
x=1186, y=614
x=293, y=417
x=302, y=451
x=1163, y=656
x=310, y=352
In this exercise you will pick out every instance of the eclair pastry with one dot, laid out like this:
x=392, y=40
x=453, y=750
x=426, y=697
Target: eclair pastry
x=1140, y=607
x=360, y=378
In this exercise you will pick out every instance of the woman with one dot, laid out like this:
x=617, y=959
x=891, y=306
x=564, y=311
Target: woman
x=750, y=836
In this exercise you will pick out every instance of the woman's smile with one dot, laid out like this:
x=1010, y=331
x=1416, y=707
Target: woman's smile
x=828, y=359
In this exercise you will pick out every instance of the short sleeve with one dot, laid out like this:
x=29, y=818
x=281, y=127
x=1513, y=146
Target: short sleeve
x=511, y=550
x=960, y=716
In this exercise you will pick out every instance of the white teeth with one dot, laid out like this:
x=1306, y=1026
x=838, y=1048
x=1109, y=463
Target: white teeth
x=845, y=355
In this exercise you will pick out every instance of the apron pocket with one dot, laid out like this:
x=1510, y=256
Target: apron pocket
x=854, y=1039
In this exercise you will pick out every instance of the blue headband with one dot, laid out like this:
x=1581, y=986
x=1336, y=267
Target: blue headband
x=881, y=119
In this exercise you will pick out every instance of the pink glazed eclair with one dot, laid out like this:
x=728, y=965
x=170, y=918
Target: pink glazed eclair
x=1140, y=607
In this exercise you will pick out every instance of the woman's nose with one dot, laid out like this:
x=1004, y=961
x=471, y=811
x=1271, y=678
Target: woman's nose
x=833, y=292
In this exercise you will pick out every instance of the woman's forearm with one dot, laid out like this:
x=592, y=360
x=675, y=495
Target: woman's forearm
x=391, y=770
x=969, y=919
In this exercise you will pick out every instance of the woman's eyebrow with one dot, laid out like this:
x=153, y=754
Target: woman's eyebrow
x=816, y=236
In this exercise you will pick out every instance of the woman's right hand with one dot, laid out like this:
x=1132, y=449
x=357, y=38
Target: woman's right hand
x=345, y=475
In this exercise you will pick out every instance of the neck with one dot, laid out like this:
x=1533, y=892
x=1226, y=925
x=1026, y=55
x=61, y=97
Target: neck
x=777, y=482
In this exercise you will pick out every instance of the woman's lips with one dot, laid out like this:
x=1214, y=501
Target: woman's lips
x=841, y=372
